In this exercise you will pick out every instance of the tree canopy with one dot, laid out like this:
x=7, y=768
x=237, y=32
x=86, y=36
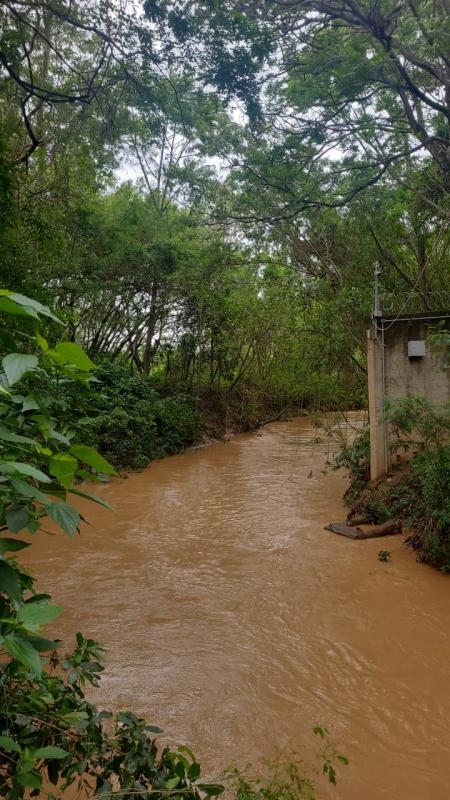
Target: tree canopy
x=194, y=198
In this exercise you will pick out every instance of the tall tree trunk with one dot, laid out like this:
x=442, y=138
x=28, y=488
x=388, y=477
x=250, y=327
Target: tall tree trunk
x=151, y=328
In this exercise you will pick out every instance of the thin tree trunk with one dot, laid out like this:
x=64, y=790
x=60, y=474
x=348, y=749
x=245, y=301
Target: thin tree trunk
x=151, y=327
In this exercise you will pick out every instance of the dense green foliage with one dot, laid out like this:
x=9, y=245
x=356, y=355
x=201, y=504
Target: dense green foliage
x=48, y=730
x=237, y=260
x=201, y=190
x=418, y=491
x=432, y=515
x=286, y=780
x=50, y=734
x=428, y=427
x=354, y=457
x=131, y=424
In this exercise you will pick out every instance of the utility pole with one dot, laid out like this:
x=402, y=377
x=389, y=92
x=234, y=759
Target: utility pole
x=376, y=384
x=377, y=300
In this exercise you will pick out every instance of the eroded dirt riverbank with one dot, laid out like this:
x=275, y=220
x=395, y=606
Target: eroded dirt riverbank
x=234, y=621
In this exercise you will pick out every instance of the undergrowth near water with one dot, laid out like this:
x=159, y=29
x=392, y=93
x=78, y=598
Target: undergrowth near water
x=132, y=419
x=123, y=415
x=417, y=492
x=286, y=780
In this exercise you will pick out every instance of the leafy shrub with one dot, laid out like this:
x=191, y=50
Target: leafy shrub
x=52, y=729
x=420, y=495
x=177, y=424
x=355, y=457
x=427, y=422
x=126, y=437
x=429, y=484
x=48, y=730
x=378, y=511
x=420, y=492
x=134, y=424
x=432, y=507
x=287, y=781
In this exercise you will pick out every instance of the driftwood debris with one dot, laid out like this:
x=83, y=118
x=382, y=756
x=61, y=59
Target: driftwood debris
x=355, y=521
x=351, y=532
x=345, y=530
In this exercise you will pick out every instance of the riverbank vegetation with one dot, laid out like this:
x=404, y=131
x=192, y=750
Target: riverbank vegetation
x=201, y=210
x=415, y=492
x=198, y=191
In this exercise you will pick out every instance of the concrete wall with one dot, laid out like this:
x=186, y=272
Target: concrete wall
x=407, y=377
x=392, y=374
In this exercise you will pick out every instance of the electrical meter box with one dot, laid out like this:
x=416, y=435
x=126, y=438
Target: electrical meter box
x=416, y=349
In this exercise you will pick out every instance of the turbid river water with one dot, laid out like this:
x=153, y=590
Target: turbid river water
x=234, y=621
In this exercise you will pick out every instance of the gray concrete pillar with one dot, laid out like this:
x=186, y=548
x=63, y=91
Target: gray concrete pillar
x=375, y=378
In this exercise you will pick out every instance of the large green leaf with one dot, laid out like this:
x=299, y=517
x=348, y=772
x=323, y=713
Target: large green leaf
x=17, y=518
x=8, y=436
x=33, y=615
x=43, y=645
x=9, y=581
x=72, y=353
x=171, y=783
x=10, y=545
x=27, y=490
x=23, y=651
x=30, y=780
x=14, y=467
x=30, y=307
x=8, y=306
x=51, y=752
x=17, y=364
x=8, y=744
x=88, y=455
x=211, y=789
x=63, y=466
x=65, y=516
x=92, y=497
x=30, y=403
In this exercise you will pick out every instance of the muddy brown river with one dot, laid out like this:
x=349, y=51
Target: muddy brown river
x=236, y=623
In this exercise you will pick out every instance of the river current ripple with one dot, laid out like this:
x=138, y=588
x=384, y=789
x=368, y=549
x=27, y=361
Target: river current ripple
x=236, y=623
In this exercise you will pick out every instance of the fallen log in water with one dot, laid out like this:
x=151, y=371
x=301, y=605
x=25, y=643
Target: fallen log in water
x=355, y=521
x=351, y=532
x=345, y=530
